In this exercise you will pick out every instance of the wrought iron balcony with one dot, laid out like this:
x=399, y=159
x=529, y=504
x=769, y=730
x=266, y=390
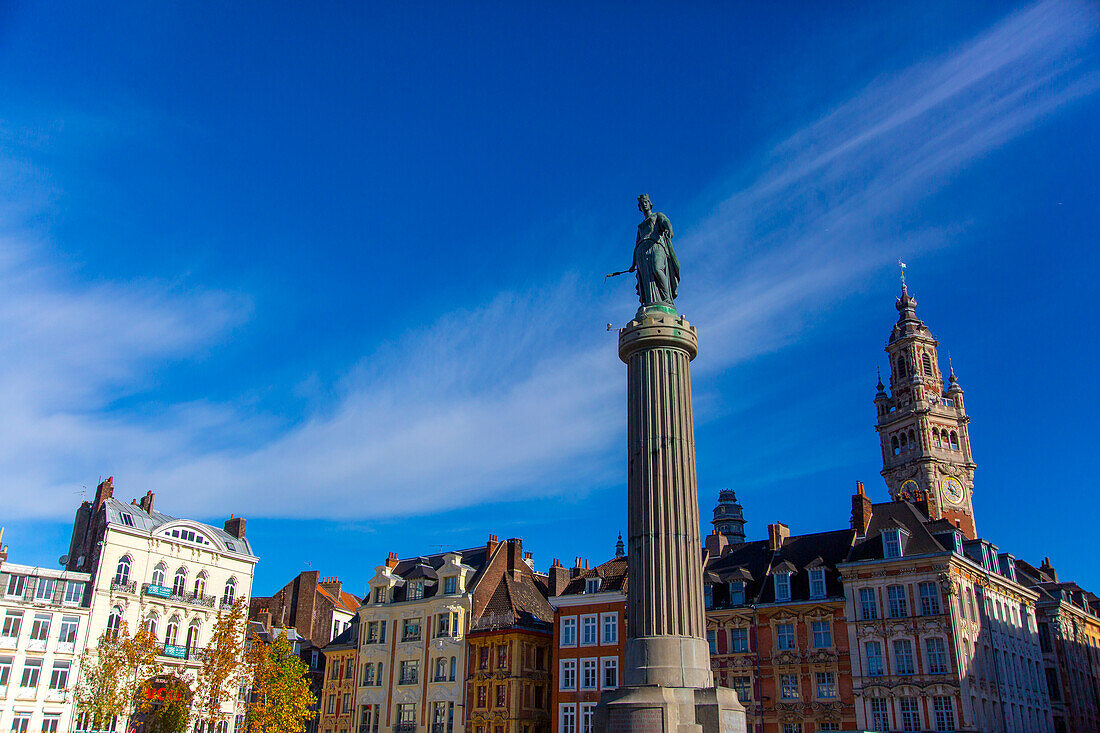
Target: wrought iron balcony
x=130, y=587
x=166, y=593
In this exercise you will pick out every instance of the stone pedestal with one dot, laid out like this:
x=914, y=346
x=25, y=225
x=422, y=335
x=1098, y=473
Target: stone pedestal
x=667, y=683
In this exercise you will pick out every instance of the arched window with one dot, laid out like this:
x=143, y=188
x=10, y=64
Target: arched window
x=114, y=622
x=902, y=371
x=179, y=583
x=200, y=585
x=151, y=624
x=172, y=630
x=894, y=445
x=122, y=573
x=912, y=441
x=904, y=443
x=936, y=438
x=230, y=592
x=158, y=574
x=943, y=435
x=193, y=638
x=926, y=361
x=954, y=440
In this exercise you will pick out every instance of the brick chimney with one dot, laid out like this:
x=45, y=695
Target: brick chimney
x=491, y=544
x=391, y=560
x=146, y=502
x=333, y=586
x=515, y=557
x=777, y=533
x=557, y=577
x=529, y=560
x=105, y=490
x=861, y=510
x=716, y=543
x=233, y=525
x=1047, y=568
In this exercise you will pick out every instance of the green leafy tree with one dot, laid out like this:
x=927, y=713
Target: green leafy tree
x=172, y=717
x=223, y=667
x=111, y=673
x=281, y=698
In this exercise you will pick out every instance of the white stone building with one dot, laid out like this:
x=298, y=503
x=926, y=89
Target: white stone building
x=171, y=574
x=44, y=616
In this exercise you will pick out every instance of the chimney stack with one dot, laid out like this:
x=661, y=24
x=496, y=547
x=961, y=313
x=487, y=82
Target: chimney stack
x=492, y=544
x=146, y=502
x=777, y=533
x=861, y=511
x=1047, y=568
x=104, y=491
x=716, y=544
x=333, y=586
x=233, y=525
x=391, y=560
x=557, y=577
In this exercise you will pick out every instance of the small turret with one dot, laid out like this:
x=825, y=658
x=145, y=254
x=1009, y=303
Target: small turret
x=620, y=550
x=729, y=517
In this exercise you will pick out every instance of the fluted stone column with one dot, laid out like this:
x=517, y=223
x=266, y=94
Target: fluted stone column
x=666, y=642
x=667, y=683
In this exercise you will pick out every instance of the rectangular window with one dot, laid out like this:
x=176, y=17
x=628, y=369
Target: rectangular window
x=416, y=590
x=13, y=620
x=739, y=640
x=569, y=674
x=44, y=590
x=409, y=672
x=611, y=628
x=592, y=585
x=588, y=630
x=712, y=644
x=708, y=596
x=823, y=634
x=382, y=632
x=782, y=586
x=406, y=715
x=817, y=583
x=588, y=674
x=568, y=719
x=50, y=721
x=69, y=626
x=737, y=592
x=937, y=655
x=40, y=629
x=502, y=696
x=944, y=710
x=32, y=669
x=929, y=599
x=17, y=585
x=502, y=656
x=610, y=673
x=5, y=672
x=742, y=686
x=411, y=630
x=20, y=722
x=828, y=726
x=588, y=710
x=868, y=606
x=788, y=686
x=450, y=585
x=332, y=704
x=896, y=603
x=910, y=714
x=792, y=728
x=569, y=631
x=482, y=697
x=59, y=675
x=368, y=674
x=372, y=633
x=826, y=685
x=880, y=716
x=875, y=664
x=903, y=657
x=891, y=542
x=443, y=625
x=785, y=636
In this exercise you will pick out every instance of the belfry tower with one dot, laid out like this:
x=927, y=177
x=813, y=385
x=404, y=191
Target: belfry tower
x=923, y=428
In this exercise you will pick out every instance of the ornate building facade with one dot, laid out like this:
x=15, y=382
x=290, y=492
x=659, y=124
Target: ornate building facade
x=338, y=713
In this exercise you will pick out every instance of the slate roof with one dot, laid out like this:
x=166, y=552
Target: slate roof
x=425, y=567
x=754, y=562
x=150, y=521
x=613, y=575
x=918, y=537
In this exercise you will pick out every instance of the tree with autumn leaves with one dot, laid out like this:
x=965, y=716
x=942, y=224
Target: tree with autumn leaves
x=112, y=672
x=281, y=698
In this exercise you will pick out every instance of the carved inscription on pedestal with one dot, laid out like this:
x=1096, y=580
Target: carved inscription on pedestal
x=635, y=720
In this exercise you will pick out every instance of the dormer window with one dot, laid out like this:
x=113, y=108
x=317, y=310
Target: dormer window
x=450, y=585
x=782, y=582
x=127, y=520
x=737, y=592
x=892, y=543
x=817, y=583
x=416, y=590
x=708, y=595
x=379, y=595
x=592, y=585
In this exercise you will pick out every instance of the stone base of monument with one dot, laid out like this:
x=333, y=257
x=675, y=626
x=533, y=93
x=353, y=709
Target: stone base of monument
x=655, y=709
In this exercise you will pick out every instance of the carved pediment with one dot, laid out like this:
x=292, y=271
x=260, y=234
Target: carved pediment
x=786, y=657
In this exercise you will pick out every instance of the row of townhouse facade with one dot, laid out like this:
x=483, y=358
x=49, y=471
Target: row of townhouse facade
x=128, y=564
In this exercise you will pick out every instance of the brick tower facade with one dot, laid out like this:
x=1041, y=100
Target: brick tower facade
x=923, y=427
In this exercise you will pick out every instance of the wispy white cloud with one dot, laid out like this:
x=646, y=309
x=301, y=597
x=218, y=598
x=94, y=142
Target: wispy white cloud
x=507, y=397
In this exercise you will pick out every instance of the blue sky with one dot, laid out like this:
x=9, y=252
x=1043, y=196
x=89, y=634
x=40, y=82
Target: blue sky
x=339, y=270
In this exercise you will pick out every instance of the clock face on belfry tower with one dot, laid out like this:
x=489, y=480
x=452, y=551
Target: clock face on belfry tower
x=953, y=490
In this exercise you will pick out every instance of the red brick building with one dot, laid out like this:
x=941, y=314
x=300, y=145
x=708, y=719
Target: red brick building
x=589, y=638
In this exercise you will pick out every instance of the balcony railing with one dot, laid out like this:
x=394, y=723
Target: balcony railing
x=166, y=593
x=494, y=621
x=130, y=587
x=405, y=728
x=410, y=679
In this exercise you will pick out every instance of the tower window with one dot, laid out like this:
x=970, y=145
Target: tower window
x=954, y=440
x=926, y=362
x=903, y=372
x=936, y=438
x=943, y=434
x=894, y=445
x=912, y=441
x=904, y=443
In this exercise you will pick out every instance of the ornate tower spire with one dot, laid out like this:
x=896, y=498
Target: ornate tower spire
x=729, y=517
x=620, y=551
x=923, y=429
